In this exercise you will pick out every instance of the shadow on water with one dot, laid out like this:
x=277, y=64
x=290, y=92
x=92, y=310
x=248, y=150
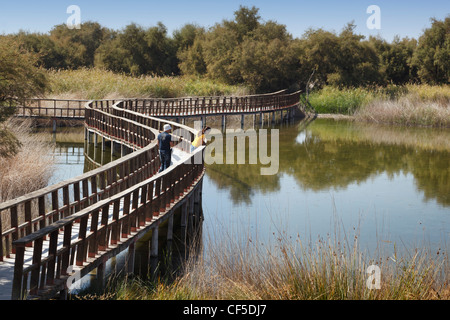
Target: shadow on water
x=164, y=268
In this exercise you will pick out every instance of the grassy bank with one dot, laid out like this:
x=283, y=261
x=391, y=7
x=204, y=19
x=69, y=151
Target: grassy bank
x=422, y=105
x=291, y=270
x=102, y=84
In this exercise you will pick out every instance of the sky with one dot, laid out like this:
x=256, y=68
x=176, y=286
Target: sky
x=399, y=17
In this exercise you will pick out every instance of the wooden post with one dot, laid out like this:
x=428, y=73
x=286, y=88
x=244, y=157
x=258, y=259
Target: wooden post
x=224, y=122
x=154, y=244
x=154, y=251
x=112, y=150
x=196, y=207
x=170, y=228
x=203, y=121
x=17, y=293
x=170, y=232
x=130, y=258
x=190, y=219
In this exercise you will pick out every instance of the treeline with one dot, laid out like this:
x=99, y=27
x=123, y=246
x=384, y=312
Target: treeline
x=262, y=55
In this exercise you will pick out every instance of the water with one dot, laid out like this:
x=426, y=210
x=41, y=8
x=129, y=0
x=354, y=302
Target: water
x=69, y=160
x=387, y=186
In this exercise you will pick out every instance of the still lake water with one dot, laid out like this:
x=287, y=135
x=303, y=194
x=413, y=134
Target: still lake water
x=389, y=186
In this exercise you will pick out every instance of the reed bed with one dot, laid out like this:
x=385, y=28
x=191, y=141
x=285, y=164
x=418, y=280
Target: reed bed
x=102, y=84
x=30, y=169
x=411, y=105
x=409, y=111
x=340, y=100
x=289, y=269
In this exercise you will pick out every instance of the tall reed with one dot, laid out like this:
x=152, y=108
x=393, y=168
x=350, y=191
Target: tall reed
x=30, y=169
x=102, y=84
x=409, y=111
x=414, y=105
x=331, y=268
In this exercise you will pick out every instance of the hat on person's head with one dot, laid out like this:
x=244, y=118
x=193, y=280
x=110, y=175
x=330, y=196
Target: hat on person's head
x=167, y=127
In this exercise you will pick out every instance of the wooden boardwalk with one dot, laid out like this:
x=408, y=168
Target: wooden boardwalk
x=63, y=232
x=7, y=267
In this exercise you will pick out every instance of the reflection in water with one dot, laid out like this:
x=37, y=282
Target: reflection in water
x=331, y=155
x=387, y=183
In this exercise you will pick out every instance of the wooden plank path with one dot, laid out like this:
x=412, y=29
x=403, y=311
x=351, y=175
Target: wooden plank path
x=165, y=107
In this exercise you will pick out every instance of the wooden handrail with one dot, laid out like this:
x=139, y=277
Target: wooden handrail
x=142, y=202
x=182, y=106
x=41, y=207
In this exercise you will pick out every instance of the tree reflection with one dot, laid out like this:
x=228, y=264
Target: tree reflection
x=334, y=154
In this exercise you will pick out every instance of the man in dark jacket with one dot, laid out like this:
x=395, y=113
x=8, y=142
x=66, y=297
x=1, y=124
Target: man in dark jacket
x=165, y=144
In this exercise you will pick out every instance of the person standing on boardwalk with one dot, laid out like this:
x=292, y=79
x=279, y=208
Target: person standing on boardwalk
x=165, y=144
x=200, y=140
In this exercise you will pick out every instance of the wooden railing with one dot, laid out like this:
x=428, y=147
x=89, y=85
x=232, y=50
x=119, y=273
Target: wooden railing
x=54, y=108
x=36, y=210
x=197, y=106
x=126, y=180
x=166, y=107
x=141, y=203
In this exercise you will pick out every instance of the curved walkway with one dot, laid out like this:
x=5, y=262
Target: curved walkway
x=68, y=229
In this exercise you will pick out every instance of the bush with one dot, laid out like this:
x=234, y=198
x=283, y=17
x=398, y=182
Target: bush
x=335, y=100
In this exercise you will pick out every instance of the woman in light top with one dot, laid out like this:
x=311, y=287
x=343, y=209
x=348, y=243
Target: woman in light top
x=200, y=140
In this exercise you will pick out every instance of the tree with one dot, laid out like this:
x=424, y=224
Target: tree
x=432, y=56
x=79, y=45
x=268, y=59
x=191, y=60
x=319, y=50
x=243, y=51
x=395, y=59
x=185, y=37
x=340, y=60
x=246, y=20
x=188, y=43
x=50, y=55
x=138, y=51
x=19, y=79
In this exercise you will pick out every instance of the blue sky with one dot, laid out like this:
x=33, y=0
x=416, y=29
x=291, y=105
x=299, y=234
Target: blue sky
x=403, y=18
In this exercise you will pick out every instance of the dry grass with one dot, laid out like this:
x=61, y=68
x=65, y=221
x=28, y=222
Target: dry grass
x=288, y=269
x=412, y=105
x=30, y=169
x=408, y=110
x=103, y=84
